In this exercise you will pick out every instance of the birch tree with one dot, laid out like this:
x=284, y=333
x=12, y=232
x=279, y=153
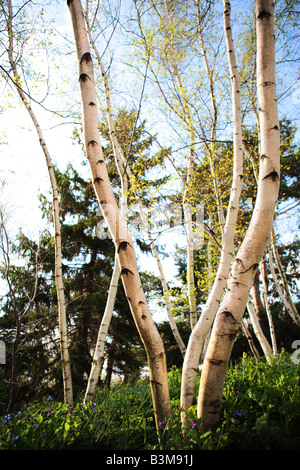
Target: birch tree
x=267, y=306
x=116, y=223
x=246, y=262
x=190, y=366
x=125, y=173
x=98, y=357
x=65, y=359
x=267, y=350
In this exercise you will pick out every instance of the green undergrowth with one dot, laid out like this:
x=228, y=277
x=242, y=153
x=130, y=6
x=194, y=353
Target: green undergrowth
x=261, y=410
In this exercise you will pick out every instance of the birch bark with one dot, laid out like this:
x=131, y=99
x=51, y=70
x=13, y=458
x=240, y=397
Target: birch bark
x=191, y=361
x=246, y=262
x=66, y=369
x=116, y=223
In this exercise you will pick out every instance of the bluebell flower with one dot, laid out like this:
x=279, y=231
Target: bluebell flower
x=6, y=419
x=237, y=414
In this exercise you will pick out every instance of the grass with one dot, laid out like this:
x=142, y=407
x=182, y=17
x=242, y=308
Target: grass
x=261, y=410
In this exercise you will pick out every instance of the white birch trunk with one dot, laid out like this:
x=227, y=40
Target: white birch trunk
x=124, y=169
x=232, y=308
x=267, y=307
x=267, y=350
x=98, y=357
x=192, y=357
x=66, y=368
x=116, y=223
x=247, y=333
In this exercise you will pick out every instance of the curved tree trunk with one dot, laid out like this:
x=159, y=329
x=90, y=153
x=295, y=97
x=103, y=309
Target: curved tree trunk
x=116, y=223
x=192, y=357
x=232, y=308
x=125, y=170
x=98, y=357
x=252, y=346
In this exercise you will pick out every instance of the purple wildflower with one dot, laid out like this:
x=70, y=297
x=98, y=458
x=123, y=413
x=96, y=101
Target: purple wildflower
x=237, y=414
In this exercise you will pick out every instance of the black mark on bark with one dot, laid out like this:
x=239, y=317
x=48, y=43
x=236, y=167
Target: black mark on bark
x=123, y=246
x=86, y=57
x=215, y=362
x=84, y=77
x=273, y=176
x=264, y=14
x=126, y=272
x=97, y=180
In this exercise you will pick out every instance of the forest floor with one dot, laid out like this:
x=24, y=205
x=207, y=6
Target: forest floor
x=261, y=411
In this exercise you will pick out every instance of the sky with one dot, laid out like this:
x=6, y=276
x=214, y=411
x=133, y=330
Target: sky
x=23, y=166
